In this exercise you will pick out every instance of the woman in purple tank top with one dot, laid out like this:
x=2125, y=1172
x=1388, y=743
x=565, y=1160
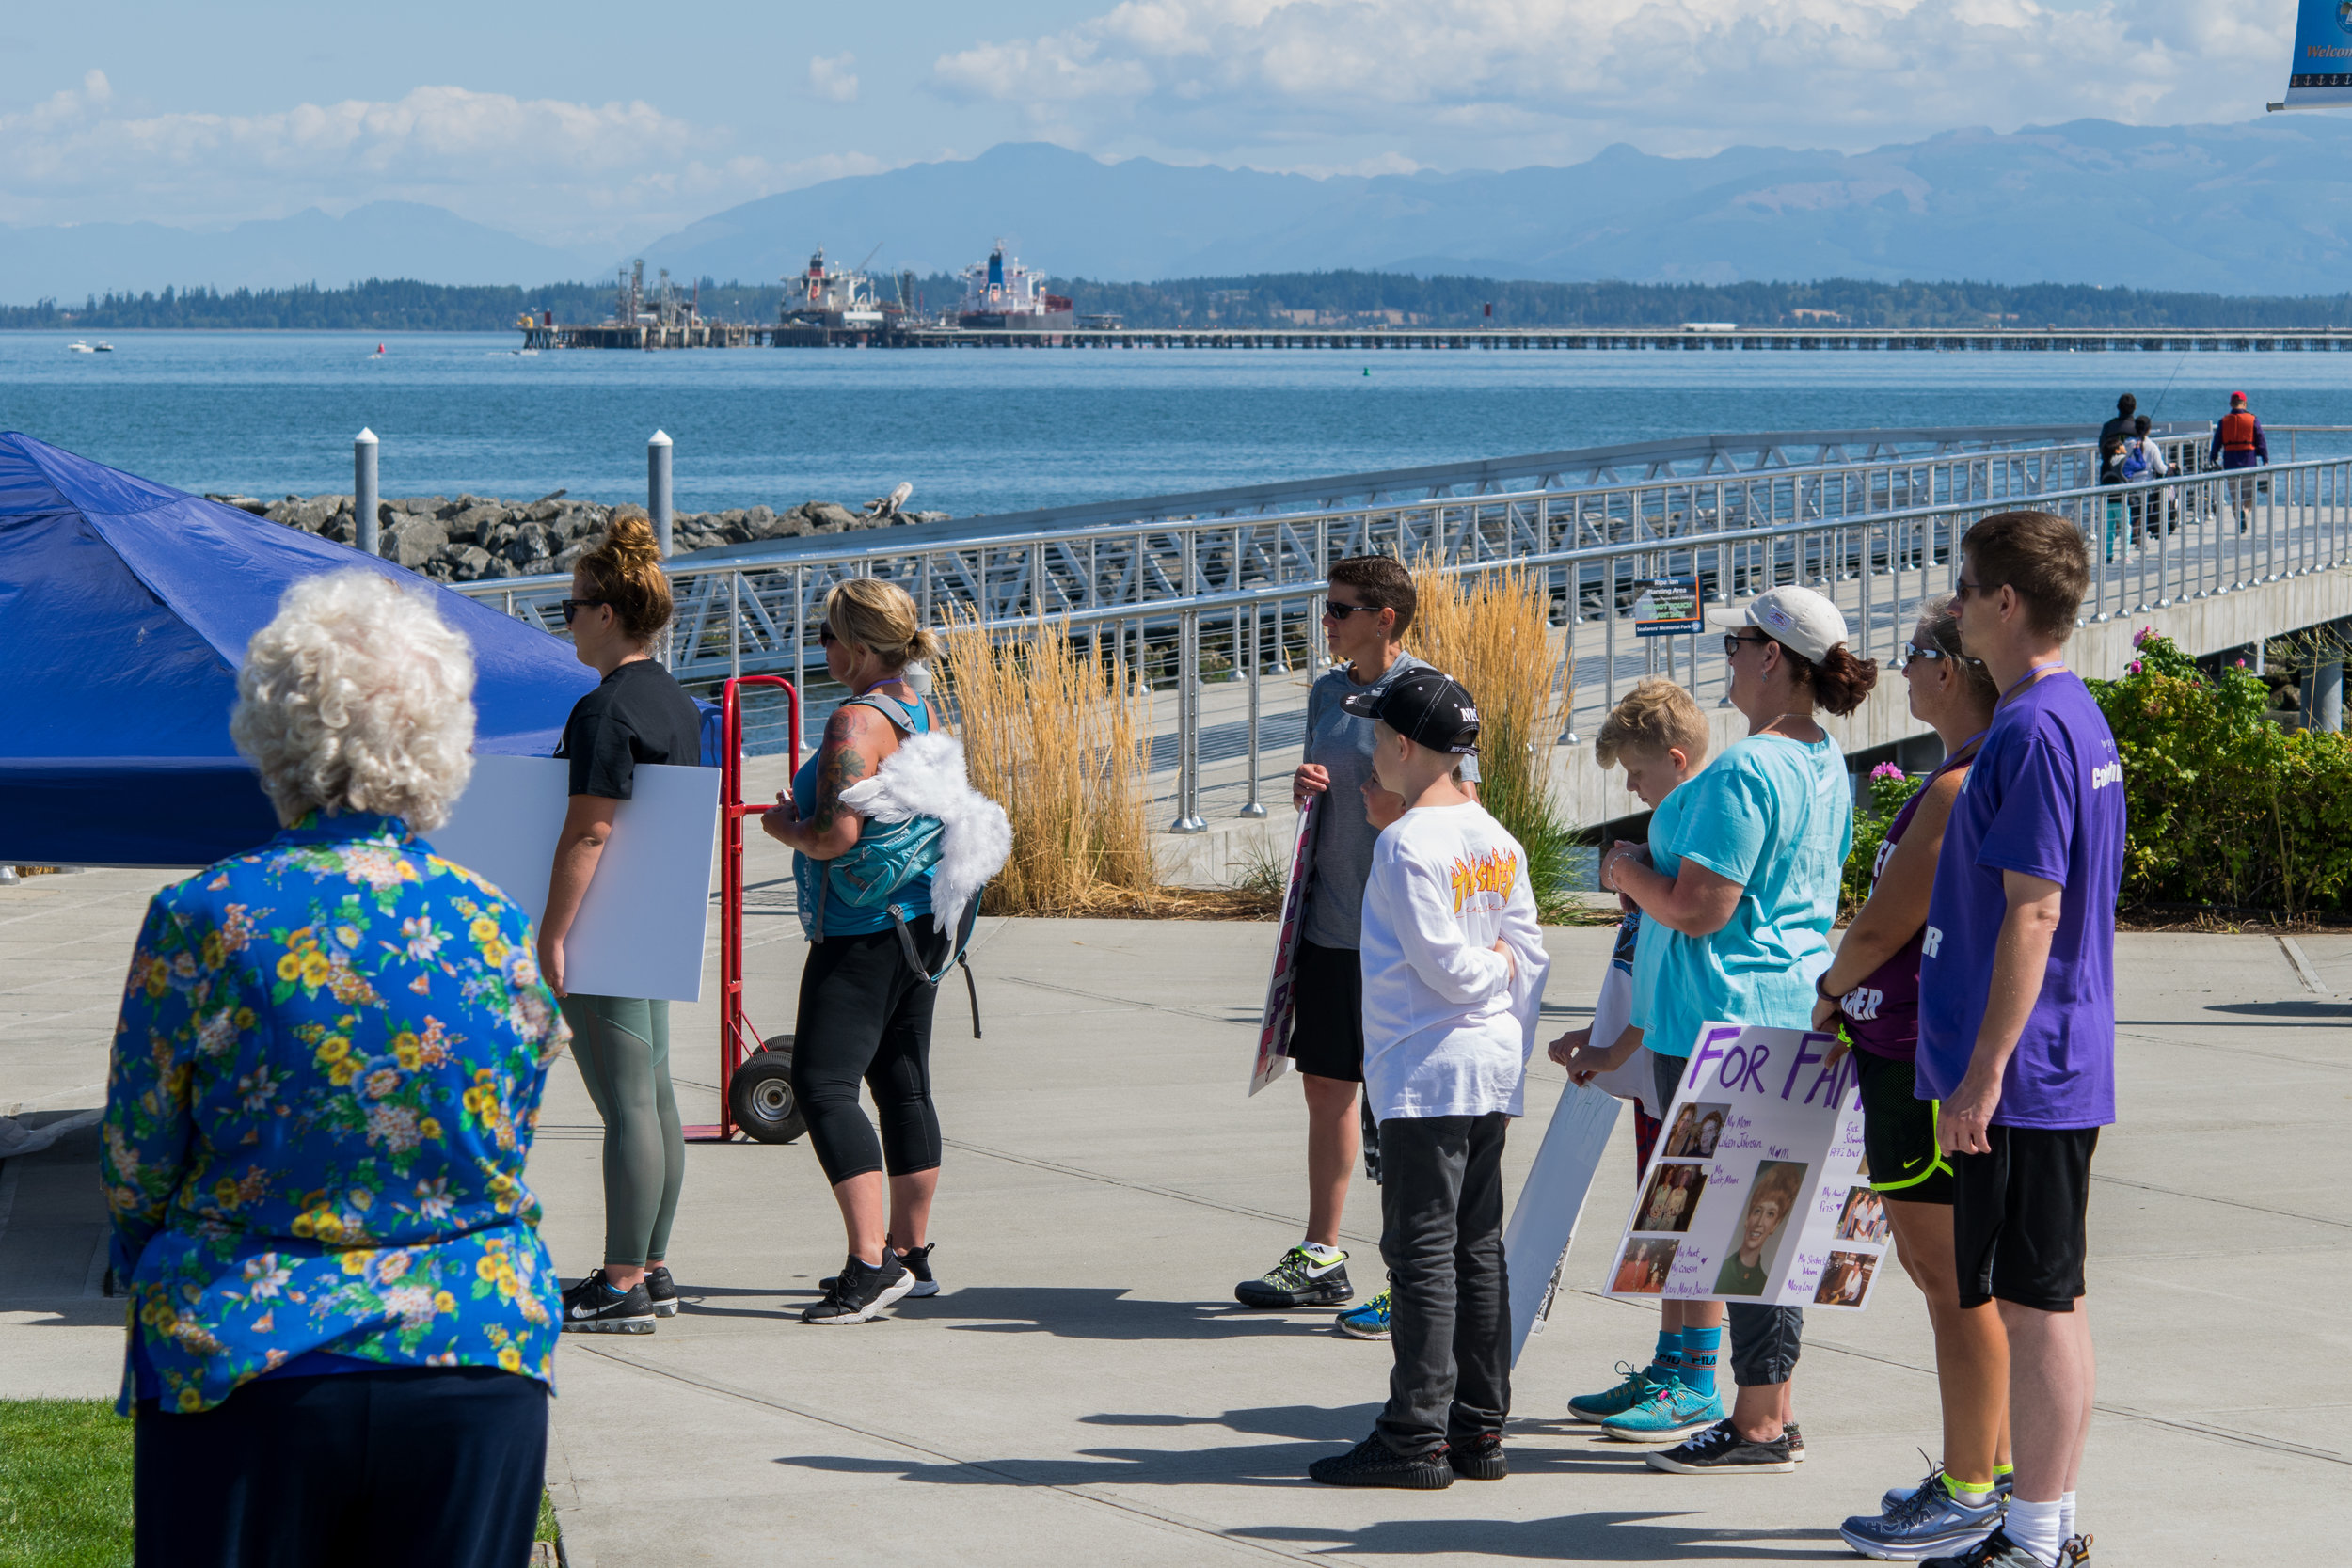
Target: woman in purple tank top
x=1871, y=990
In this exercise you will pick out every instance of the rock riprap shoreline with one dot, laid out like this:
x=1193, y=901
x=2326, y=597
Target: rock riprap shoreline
x=480, y=538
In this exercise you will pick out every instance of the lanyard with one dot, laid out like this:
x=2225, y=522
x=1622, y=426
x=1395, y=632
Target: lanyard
x=2027, y=679
x=1968, y=744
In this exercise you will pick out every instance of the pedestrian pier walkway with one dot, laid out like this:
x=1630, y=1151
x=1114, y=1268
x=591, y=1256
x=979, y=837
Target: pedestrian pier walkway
x=1086, y=1387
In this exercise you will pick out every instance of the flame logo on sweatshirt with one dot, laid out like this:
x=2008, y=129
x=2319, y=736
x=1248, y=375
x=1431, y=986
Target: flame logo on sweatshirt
x=1497, y=871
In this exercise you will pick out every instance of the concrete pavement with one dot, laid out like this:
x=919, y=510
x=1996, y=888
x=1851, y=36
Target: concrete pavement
x=1084, y=1385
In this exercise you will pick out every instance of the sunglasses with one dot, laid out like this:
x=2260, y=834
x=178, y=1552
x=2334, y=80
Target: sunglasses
x=1963, y=587
x=1733, y=639
x=826, y=634
x=1913, y=653
x=1339, y=612
x=573, y=606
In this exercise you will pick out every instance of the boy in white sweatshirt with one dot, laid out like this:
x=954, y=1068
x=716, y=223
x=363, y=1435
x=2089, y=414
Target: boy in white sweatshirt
x=1453, y=970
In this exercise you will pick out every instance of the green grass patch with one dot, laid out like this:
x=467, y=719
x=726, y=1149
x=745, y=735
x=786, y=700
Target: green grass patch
x=65, y=1484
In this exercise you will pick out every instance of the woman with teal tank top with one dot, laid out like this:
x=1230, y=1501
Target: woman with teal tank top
x=865, y=1012
x=1737, y=905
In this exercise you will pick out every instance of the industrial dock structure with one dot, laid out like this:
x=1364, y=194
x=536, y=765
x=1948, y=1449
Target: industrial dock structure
x=1006, y=306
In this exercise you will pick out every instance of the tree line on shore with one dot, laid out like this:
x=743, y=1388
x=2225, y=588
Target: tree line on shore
x=1304, y=300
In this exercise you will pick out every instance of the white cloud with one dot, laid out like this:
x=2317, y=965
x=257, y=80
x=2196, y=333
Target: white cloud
x=830, y=76
x=1502, y=83
x=559, y=171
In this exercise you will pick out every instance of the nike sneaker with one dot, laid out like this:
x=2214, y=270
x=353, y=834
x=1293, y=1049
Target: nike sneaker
x=862, y=1290
x=1639, y=1385
x=1368, y=1322
x=596, y=1307
x=1668, y=1415
x=1298, y=1280
x=662, y=1290
x=919, y=1263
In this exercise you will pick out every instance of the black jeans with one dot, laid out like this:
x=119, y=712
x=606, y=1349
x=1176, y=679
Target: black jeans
x=405, y=1467
x=1449, y=1312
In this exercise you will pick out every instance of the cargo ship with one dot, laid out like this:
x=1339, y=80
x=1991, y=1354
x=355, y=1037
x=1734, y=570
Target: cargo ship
x=1002, y=295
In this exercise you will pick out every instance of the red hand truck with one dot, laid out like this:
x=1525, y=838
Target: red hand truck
x=755, y=1074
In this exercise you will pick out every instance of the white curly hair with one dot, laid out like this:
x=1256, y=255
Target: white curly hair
x=358, y=697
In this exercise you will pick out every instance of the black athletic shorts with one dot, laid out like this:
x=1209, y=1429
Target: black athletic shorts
x=1328, y=1013
x=1899, y=1133
x=2020, y=1217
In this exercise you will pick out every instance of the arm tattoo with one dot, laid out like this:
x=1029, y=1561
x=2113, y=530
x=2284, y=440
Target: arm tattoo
x=844, y=762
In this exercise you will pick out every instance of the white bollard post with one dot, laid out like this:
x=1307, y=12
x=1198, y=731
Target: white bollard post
x=363, y=503
x=657, y=488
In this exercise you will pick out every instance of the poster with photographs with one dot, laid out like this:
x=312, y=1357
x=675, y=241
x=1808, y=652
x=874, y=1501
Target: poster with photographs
x=1755, y=1191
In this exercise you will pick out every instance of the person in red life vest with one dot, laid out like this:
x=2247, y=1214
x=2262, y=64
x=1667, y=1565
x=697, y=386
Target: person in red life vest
x=2238, y=443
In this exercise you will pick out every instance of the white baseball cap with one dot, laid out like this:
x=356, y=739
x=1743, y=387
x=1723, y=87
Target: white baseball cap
x=1805, y=620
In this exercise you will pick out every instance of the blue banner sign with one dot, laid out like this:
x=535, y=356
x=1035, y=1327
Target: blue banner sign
x=2321, y=72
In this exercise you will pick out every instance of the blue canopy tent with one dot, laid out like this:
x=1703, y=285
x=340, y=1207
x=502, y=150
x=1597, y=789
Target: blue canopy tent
x=125, y=607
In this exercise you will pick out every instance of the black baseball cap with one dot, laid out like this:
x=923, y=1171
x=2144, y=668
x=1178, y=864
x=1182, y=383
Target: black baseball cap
x=1425, y=706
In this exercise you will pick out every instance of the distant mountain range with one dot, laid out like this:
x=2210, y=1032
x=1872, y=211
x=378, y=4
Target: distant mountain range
x=2258, y=208
x=2254, y=208
x=383, y=239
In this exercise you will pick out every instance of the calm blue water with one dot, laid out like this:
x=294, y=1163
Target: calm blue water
x=980, y=431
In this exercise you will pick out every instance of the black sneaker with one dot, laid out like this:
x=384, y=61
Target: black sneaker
x=1373, y=1463
x=661, y=1291
x=1999, y=1551
x=1796, y=1442
x=860, y=1291
x=1480, y=1459
x=1299, y=1280
x=918, y=1263
x=1720, y=1451
x=593, y=1307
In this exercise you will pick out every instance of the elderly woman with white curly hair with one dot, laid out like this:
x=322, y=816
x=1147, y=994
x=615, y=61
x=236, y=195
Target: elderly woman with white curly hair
x=325, y=1079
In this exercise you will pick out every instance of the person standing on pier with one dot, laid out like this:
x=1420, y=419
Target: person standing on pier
x=1367, y=609
x=2120, y=427
x=637, y=715
x=1741, y=904
x=2238, y=442
x=2017, y=1007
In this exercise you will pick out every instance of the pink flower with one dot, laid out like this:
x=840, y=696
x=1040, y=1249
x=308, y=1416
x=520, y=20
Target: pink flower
x=2241, y=664
x=1887, y=771
x=2133, y=668
x=2140, y=638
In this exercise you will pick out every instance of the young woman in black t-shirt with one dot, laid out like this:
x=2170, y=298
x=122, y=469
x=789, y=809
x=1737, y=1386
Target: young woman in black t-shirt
x=638, y=714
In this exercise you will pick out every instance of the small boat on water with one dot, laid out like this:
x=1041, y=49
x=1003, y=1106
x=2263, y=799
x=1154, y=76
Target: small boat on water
x=104, y=348
x=78, y=346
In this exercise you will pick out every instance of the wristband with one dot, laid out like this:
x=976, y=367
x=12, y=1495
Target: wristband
x=1826, y=996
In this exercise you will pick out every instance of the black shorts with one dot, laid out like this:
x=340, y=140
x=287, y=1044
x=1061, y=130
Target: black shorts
x=1899, y=1133
x=2020, y=1217
x=1328, y=1013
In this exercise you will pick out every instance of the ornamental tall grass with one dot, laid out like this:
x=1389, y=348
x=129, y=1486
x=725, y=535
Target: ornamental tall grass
x=1056, y=736
x=1492, y=632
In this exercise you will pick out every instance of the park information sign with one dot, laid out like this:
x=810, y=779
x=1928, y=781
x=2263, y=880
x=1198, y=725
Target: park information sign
x=1757, y=1192
x=2321, y=72
x=1668, y=607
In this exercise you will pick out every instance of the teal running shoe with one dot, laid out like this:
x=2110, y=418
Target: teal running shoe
x=1639, y=1385
x=1368, y=1322
x=1668, y=1415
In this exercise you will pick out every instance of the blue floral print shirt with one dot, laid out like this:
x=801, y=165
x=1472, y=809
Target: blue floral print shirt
x=325, y=1081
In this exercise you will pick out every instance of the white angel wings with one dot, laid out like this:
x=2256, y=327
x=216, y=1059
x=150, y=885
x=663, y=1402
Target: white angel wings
x=925, y=777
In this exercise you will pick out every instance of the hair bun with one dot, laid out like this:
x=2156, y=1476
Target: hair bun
x=631, y=540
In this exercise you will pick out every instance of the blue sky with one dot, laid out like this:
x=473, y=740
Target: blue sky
x=580, y=125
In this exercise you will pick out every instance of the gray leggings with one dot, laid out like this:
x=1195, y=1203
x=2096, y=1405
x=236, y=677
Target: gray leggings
x=623, y=1047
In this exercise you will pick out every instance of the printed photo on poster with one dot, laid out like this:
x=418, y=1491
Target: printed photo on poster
x=1642, y=1268
x=1865, y=1216
x=1696, y=1130
x=1762, y=1226
x=1846, y=1280
x=1673, y=1196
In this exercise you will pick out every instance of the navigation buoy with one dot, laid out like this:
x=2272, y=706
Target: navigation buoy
x=1367, y=369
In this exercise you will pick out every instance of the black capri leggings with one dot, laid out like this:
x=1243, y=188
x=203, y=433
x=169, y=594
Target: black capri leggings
x=866, y=1014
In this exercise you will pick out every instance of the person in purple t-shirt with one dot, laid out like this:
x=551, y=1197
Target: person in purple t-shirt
x=2017, y=1016
x=1872, y=994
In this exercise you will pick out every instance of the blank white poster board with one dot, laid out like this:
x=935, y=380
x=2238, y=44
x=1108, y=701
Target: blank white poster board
x=641, y=928
x=1543, y=1221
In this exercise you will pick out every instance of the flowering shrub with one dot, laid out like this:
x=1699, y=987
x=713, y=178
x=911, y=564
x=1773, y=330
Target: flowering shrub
x=1890, y=786
x=2226, y=808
